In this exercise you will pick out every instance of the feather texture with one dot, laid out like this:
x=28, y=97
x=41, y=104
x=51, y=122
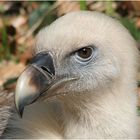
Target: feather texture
x=102, y=104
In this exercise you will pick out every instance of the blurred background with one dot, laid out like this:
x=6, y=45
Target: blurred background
x=20, y=21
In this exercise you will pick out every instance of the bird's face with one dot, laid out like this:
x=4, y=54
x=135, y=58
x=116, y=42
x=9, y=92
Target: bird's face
x=77, y=54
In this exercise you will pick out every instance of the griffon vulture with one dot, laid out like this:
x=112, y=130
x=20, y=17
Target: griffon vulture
x=82, y=80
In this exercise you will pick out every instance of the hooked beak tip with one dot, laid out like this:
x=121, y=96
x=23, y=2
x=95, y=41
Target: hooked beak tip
x=20, y=110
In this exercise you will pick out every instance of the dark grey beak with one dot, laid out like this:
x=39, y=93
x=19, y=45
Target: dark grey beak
x=35, y=79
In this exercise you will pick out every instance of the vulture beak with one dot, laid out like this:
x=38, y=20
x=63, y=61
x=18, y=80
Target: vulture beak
x=36, y=79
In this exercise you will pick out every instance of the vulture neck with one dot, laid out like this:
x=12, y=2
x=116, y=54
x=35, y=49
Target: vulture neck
x=100, y=114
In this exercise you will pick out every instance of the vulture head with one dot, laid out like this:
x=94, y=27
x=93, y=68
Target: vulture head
x=88, y=62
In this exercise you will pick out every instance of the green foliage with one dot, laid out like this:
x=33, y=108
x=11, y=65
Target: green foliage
x=130, y=25
x=10, y=82
x=42, y=16
x=138, y=108
x=83, y=5
x=109, y=9
x=4, y=48
x=1, y=8
x=7, y=48
x=36, y=14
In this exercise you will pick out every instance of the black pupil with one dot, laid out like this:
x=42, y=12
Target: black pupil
x=85, y=52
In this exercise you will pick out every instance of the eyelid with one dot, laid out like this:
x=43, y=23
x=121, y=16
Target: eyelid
x=87, y=46
x=86, y=61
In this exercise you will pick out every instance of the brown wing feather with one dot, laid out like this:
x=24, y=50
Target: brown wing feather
x=6, y=103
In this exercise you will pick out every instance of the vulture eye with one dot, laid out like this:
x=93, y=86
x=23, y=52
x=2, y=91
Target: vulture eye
x=84, y=54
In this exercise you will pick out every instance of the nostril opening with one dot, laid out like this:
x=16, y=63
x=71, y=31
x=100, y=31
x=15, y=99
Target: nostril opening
x=45, y=69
